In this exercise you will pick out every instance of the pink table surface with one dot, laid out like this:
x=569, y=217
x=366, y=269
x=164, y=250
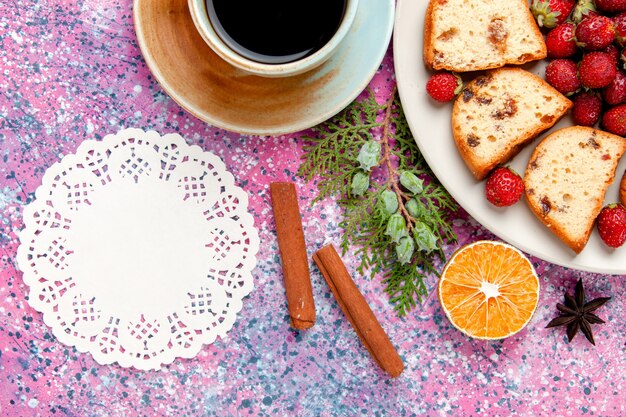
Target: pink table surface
x=71, y=71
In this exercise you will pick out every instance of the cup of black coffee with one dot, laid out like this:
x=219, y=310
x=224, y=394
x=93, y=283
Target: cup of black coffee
x=273, y=38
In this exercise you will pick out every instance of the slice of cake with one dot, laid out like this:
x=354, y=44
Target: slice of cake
x=471, y=35
x=499, y=112
x=567, y=177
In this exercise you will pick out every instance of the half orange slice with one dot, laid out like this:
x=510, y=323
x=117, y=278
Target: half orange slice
x=489, y=290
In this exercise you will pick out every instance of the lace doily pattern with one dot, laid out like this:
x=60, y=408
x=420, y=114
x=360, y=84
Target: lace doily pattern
x=138, y=249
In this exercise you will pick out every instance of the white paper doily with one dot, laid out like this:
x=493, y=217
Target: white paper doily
x=138, y=249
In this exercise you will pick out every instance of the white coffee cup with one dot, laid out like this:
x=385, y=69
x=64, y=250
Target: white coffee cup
x=198, y=10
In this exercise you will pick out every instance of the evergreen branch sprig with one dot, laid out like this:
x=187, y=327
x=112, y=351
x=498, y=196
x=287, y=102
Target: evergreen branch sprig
x=393, y=177
x=396, y=214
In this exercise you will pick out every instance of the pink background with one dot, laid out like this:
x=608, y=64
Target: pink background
x=71, y=71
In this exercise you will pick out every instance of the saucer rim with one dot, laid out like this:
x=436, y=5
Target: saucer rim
x=302, y=124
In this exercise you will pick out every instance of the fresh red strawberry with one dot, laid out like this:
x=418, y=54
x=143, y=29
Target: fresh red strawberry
x=622, y=58
x=562, y=74
x=595, y=33
x=612, y=225
x=611, y=6
x=597, y=70
x=615, y=93
x=587, y=109
x=444, y=86
x=614, y=120
x=550, y=13
x=504, y=187
x=583, y=9
x=560, y=41
x=619, y=21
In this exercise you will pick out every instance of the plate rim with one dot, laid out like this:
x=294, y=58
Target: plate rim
x=302, y=124
x=441, y=177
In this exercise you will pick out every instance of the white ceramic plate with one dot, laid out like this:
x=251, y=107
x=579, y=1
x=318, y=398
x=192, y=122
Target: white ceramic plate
x=431, y=126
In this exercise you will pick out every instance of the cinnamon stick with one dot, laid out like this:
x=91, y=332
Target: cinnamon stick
x=293, y=255
x=358, y=311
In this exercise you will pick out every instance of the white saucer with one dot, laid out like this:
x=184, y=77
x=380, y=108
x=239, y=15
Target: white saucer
x=224, y=96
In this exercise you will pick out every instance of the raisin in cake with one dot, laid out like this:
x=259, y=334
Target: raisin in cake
x=499, y=112
x=471, y=35
x=567, y=177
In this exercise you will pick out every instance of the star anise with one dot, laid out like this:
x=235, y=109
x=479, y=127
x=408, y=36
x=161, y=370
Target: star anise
x=577, y=314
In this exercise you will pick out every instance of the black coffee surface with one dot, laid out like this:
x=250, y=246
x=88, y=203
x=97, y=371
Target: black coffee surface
x=275, y=31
